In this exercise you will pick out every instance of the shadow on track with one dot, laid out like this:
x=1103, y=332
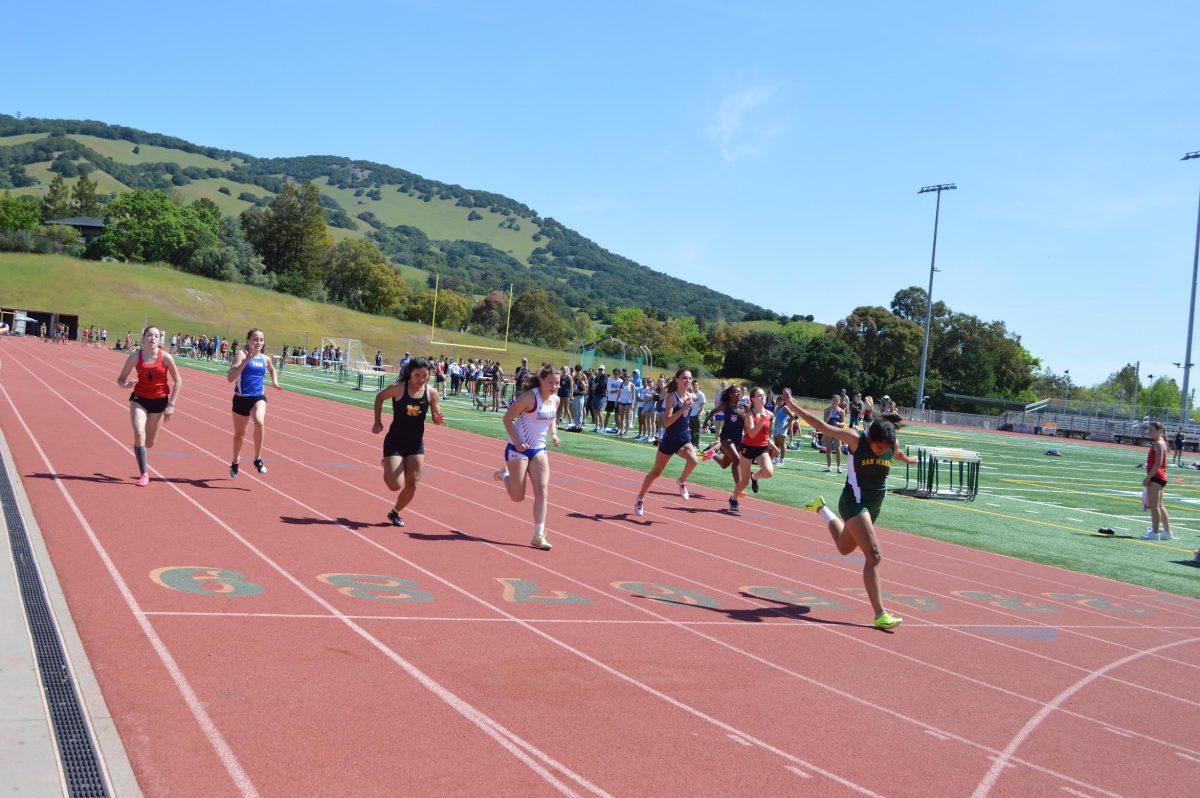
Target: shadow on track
x=105, y=479
x=346, y=522
x=795, y=612
x=456, y=535
x=633, y=519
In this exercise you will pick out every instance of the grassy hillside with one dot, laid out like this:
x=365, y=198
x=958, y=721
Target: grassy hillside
x=123, y=296
x=806, y=328
x=585, y=275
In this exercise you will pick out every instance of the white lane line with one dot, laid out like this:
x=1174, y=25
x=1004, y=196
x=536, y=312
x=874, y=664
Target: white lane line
x=739, y=740
x=228, y=759
x=1188, y=757
x=799, y=772
x=1117, y=732
x=936, y=736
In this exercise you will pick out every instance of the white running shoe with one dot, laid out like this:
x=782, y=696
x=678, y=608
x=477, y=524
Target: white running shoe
x=638, y=509
x=1166, y=535
x=540, y=542
x=839, y=469
x=1150, y=534
x=683, y=492
x=828, y=470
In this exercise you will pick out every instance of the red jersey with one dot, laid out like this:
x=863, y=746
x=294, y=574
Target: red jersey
x=760, y=438
x=1151, y=456
x=152, y=379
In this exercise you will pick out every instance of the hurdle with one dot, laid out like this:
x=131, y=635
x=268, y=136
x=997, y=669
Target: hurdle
x=942, y=473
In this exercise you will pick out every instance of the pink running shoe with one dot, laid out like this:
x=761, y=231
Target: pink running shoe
x=143, y=480
x=683, y=492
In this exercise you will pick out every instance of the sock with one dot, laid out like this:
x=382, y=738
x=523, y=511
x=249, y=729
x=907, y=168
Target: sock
x=140, y=453
x=827, y=514
x=539, y=530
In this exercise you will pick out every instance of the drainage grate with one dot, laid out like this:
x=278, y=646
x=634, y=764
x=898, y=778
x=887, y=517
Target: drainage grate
x=84, y=773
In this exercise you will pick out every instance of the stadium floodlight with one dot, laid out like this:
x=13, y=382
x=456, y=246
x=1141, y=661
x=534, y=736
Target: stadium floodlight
x=939, y=188
x=1187, y=358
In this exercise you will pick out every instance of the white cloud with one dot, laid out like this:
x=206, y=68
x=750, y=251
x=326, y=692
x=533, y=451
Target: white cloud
x=743, y=126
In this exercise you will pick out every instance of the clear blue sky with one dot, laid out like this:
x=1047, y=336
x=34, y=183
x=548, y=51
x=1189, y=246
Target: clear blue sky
x=770, y=150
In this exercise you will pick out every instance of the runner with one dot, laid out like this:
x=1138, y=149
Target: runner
x=528, y=421
x=783, y=422
x=151, y=399
x=404, y=444
x=833, y=418
x=871, y=455
x=247, y=372
x=1153, y=484
x=1178, y=458
x=756, y=443
x=724, y=451
x=676, y=436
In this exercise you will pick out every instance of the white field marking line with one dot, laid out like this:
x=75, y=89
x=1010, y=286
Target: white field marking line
x=989, y=780
x=827, y=563
x=530, y=627
x=783, y=623
x=707, y=637
x=1090, y=512
x=717, y=641
x=509, y=740
x=215, y=739
x=339, y=420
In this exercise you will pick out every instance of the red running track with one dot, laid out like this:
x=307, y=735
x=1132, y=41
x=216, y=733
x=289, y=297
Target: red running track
x=272, y=636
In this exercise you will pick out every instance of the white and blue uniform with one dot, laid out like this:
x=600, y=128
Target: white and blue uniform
x=248, y=390
x=532, y=428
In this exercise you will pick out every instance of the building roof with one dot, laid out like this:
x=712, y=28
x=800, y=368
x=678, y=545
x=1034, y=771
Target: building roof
x=79, y=221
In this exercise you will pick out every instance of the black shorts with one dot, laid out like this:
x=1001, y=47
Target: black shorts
x=673, y=445
x=752, y=452
x=610, y=406
x=1159, y=480
x=395, y=444
x=150, y=405
x=242, y=405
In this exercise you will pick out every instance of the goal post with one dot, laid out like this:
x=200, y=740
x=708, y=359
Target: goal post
x=353, y=357
x=433, y=332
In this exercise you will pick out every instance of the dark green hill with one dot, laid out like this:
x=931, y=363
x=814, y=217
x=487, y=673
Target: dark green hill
x=476, y=240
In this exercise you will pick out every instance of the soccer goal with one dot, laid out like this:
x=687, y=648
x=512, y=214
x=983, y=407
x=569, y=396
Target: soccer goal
x=347, y=354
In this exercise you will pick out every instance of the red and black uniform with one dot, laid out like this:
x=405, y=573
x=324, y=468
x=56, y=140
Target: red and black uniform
x=151, y=391
x=754, y=445
x=1159, y=476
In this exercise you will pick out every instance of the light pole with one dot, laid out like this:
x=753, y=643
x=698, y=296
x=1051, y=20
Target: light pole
x=929, y=294
x=1187, y=357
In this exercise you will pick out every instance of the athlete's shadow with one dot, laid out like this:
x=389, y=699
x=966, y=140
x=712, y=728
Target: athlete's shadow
x=105, y=479
x=96, y=477
x=717, y=510
x=800, y=613
x=749, y=614
x=1188, y=563
x=675, y=494
x=455, y=535
x=612, y=517
x=346, y=522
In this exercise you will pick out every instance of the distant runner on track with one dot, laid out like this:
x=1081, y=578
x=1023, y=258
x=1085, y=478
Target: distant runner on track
x=247, y=372
x=756, y=443
x=529, y=420
x=404, y=444
x=870, y=460
x=151, y=399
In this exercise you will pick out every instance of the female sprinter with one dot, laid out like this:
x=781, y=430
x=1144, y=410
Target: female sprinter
x=871, y=454
x=676, y=436
x=151, y=399
x=1155, y=481
x=247, y=372
x=404, y=444
x=529, y=420
x=756, y=442
x=725, y=450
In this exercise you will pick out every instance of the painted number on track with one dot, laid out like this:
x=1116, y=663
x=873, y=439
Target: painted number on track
x=522, y=591
x=200, y=580
x=376, y=588
x=667, y=593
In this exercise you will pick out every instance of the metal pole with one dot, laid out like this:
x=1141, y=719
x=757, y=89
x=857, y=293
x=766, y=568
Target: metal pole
x=1187, y=357
x=929, y=304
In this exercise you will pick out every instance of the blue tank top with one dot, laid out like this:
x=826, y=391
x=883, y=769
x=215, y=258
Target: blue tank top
x=251, y=381
x=680, y=430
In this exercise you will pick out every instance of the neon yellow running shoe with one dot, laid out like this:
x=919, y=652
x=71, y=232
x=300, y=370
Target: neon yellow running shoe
x=815, y=505
x=886, y=620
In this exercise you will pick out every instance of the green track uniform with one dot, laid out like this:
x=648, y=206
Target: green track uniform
x=866, y=481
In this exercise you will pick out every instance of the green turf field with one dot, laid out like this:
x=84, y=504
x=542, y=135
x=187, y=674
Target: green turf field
x=1045, y=509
